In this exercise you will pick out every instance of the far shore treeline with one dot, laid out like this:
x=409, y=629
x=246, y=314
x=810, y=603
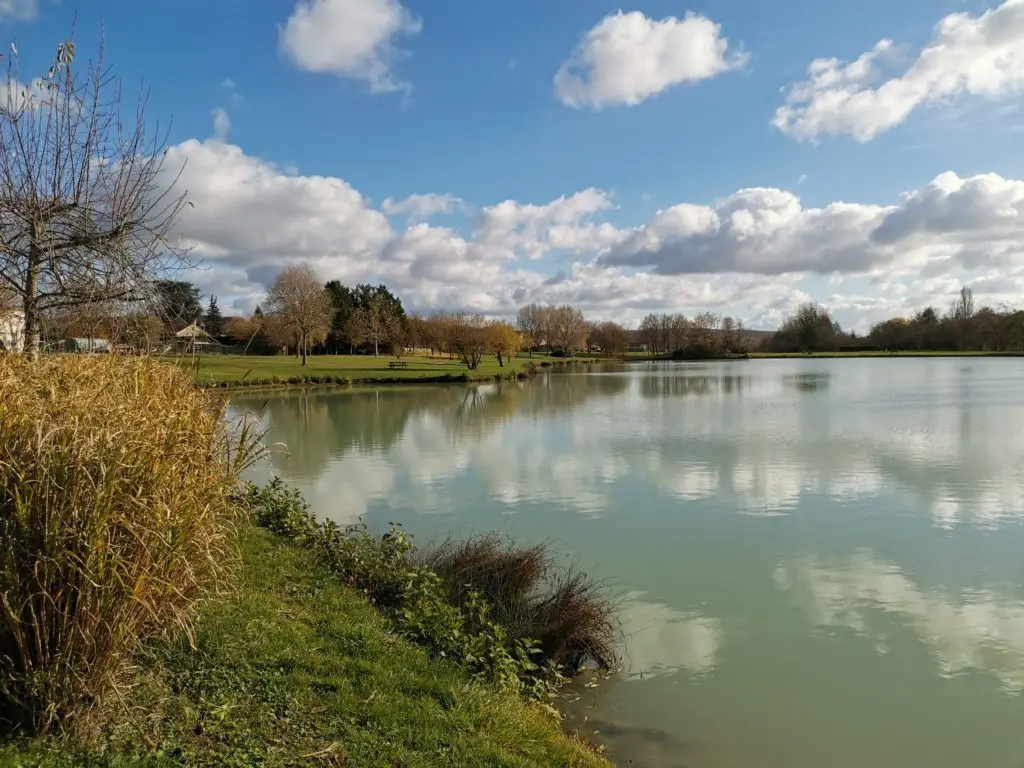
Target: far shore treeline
x=303, y=316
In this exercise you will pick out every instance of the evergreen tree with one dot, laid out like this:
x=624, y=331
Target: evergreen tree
x=177, y=301
x=214, y=319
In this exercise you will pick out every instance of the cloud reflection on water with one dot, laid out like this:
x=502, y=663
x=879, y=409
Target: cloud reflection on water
x=975, y=629
x=661, y=640
x=759, y=444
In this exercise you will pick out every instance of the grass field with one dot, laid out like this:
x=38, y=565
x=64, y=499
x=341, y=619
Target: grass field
x=355, y=369
x=297, y=670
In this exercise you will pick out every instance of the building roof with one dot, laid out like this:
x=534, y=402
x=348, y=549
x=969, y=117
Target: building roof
x=194, y=332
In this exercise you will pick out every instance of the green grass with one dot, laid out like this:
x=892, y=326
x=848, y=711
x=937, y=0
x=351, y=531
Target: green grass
x=298, y=670
x=355, y=369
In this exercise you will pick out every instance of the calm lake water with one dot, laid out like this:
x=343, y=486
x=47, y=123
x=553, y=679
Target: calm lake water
x=821, y=561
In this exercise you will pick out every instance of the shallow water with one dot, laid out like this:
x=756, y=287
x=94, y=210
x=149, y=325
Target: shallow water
x=821, y=561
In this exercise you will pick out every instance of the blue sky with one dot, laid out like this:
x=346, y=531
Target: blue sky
x=329, y=108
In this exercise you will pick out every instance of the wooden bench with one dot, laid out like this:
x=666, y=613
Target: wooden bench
x=397, y=364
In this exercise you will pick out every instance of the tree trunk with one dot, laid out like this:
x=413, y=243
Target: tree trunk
x=302, y=347
x=375, y=346
x=30, y=306
x=500, y=364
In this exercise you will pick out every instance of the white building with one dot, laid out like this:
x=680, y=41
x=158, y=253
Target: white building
x=12, y=331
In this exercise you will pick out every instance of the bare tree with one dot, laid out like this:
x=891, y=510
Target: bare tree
x=568, y=330
x=356, y=327
x=469, y=337
x=961, y=313
x=612, y=338
x=299, y=302
x=379, y=320
x=85, y=205
x=703, y=326
x=530, y=322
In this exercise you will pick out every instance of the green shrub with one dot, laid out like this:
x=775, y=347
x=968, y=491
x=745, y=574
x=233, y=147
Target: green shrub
x=496, y=609
x=115, y=520
x=569, y=615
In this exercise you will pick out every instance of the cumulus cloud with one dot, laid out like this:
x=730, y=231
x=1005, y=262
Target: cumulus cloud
x=350, y=38
x=972, y=222
x=417, y=208
x=513, y=228
x=746, y=254
x=967, y=56
x=629, y=57
x=253, y=214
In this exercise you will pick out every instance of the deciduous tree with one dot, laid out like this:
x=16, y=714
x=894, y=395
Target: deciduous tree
x=245, y=328
x=380, y=318
x=86, y=208
x=300, y=307
x=531, y=324
x=469, y=337
x=568, y=329
x=505, y=341
x=612, y=338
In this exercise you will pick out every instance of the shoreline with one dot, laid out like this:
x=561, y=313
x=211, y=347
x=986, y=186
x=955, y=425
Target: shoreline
x=308, y=381
x=313, y=381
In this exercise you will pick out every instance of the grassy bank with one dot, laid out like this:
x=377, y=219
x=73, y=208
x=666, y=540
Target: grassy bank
x=296, y=669
x=279, y=370
x=145, y=621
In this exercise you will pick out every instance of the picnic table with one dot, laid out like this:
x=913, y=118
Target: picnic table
x=392, y=364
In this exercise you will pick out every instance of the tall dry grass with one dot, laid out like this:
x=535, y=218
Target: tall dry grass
x=116, y=520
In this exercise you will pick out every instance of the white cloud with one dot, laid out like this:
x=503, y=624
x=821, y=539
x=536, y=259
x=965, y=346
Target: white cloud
x=750, y=254
x=417, y=208
x=532, y=230
x=629, y=57
x=19, y=10
x=971, y=223
x=251, y=214
x=967, y=56
x=221, y=123
x=350, y=38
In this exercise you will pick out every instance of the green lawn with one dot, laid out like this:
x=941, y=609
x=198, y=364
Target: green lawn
x=297, y=670
x=271, y=369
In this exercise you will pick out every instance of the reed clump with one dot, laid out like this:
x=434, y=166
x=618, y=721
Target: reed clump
x=116, y=522
x=532, y=595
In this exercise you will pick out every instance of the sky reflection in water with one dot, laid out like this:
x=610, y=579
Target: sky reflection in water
x=842, y=534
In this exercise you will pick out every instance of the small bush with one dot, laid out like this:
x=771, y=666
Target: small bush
x=569, y=615
x=512, y=616
x=115, y=520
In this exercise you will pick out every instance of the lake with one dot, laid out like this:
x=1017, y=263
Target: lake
x=820, y=562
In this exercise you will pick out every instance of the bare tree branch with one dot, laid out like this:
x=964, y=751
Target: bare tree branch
x=85, y=204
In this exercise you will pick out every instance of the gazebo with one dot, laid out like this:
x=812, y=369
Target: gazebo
x=192, y=338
